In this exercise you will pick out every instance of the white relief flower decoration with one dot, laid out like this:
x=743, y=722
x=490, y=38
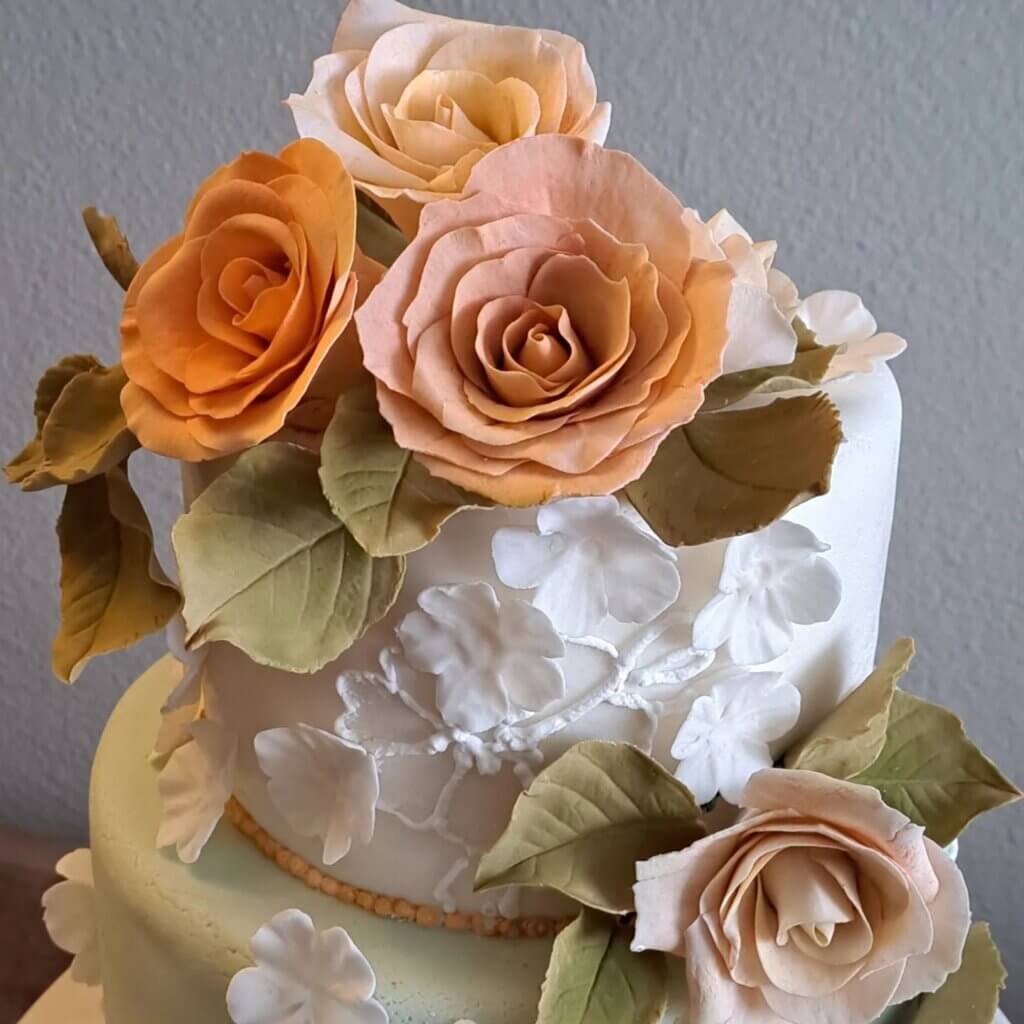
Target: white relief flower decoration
x=588, y=559
x=304, y=976
x=174, y=732
x=840, y=318
x=188, y=690
x=194, y=786
x=69, y=913
x=726, y=735
x=771, y=580
x=321, y=785
x=493, y=659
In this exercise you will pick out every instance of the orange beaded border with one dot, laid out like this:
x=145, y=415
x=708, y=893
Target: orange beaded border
x=396, y=909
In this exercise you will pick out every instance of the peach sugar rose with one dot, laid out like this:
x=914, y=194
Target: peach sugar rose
x=542, y=336
x=227, y=325
x=413, y=100
x=821, y=905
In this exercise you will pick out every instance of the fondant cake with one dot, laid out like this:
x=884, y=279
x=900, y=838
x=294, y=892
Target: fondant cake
x=522, y=655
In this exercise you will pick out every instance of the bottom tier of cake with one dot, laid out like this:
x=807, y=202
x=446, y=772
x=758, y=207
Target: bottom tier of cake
x=172, y=935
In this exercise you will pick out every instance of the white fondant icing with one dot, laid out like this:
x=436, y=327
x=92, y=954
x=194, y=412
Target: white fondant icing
x=444, y=790
x=321, y=785
x=495, y=661
x=841, y=318
x=303, y=976
x=586, y=560
x=194, y=786
x=771, y=580
x=69, y=913
x=727, y=735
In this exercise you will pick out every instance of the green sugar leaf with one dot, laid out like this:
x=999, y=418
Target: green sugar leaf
x=376, y=235
x=850, y=739
x=971, y=995
x=112, y=591
x=80, y=428
x=267, y=566
x=586, y=820
x=111, y=245
x=594, y=978
x=388, y=501
x=731, y=473
x=932, y=772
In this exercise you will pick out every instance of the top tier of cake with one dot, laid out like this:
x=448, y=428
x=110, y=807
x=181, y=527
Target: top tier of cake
x=518, y=634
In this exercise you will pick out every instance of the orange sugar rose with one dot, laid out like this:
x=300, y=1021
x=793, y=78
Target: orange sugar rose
x=227, y=325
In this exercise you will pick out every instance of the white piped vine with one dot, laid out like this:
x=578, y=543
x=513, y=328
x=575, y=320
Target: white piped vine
x=771, y=581
x=321, y=785
x=304, y=975
x=69, y=913
x=588, y=559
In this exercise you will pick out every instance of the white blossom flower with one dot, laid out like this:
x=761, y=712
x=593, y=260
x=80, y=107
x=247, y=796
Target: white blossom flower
x=303, y=976
x=174, y=732
x=194, y=786
x=587, y=559
x=771, y=580
x=840, y=318
x=188, y=690
x=69, y=913
x=725, y=737
x=492, y=659
x=321, y=785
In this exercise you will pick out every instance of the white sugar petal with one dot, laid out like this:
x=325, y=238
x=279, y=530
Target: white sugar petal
x=522, y=559
x=836, y=317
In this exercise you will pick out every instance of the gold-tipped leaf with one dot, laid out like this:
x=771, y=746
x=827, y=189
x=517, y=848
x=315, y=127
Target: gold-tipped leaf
x=376, y=235
x=267, y=566
x=81, y=430
x=388, y=500
x=112, y=590
x=850, y=739
x=971, y=995
x=731, y=473
x=111, y=245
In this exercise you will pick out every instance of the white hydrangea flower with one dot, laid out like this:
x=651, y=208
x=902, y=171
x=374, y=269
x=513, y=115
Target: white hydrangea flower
x=771, y=580
x=493, y=659
x=840, y=318
x=726, y=735
x=194, y=786
x=69, y=913
x=303, y=976
x=588, y=559
x=321, y=785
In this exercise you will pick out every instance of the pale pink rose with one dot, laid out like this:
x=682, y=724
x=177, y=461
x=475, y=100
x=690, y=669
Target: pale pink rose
x=542, y=336
x=413, y=100
x=821, y=906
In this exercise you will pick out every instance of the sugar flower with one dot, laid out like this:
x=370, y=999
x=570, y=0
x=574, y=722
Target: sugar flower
x=770, y=581
x=587, y=559
x=493, y=659
x=226, y=326
x=194, y=786
x=321, y=785
x=69, y=913
x=413, y=100
x=726, y=736
x=303, y=975
x=540, y=338
x=820, y=904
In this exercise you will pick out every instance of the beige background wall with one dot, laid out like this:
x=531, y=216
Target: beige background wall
x=882, y=141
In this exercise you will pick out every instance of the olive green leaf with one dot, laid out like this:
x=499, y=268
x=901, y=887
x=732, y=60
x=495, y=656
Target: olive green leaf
x=111, y=244
x=971, y=995
x=932, y=772
x=376, y=235
x=808, y=369
x=266, y=565
x=586, y=820
x=388, y=501
x=850, y=739
x=112, y=591
x=594, y=978
x=730, y=473
x=80, y=429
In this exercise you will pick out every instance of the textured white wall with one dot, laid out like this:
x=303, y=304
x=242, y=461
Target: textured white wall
x=882, y=142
